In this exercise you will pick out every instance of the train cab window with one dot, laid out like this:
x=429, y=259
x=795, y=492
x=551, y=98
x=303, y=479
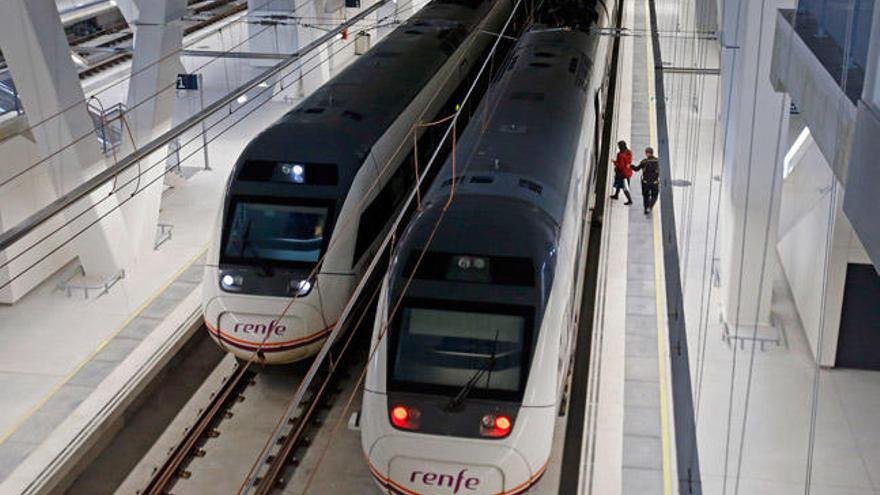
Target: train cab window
x=263, y=232
x=499, y=270
x=438, y=346
x=294, y=173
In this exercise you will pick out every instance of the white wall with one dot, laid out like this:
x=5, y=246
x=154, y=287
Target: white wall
x=812, y=200
x=18, y=200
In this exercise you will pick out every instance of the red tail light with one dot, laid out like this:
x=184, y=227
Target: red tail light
x=405, y=417
x=495, y=425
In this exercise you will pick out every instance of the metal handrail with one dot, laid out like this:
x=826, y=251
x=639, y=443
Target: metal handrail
x=16, y=233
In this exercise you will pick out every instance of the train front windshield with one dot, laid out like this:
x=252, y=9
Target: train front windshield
x=263, y=232
x=439, y=347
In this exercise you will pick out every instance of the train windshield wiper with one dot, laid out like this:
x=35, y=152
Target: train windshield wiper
x=265, y=264
x=458, y=399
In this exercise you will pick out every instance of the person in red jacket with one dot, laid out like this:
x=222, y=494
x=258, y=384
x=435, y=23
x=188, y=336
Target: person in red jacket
x=622, y=172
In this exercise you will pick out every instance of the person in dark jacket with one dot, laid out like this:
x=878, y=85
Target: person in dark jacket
x=650, y=168
x=622, y=172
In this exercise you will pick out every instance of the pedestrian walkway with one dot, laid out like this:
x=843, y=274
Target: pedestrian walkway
x=633, y=438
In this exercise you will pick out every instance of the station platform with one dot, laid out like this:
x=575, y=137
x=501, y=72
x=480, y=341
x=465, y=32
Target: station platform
x=752, y=398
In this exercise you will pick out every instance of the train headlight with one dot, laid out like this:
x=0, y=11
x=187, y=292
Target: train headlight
x=495, y=425
x=229, y=281
x=405, y=417
x=295, y=172
x=301, y=288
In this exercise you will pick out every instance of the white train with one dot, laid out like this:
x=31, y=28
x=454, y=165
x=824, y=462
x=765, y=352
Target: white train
x=462, y=392
x=319, y=187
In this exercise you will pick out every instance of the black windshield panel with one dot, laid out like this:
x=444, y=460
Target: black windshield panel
x=437, y=346
x=259, y=233
x=498, y=270
x=293, y=173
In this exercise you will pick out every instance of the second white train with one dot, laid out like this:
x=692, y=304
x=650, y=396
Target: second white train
x=477, y=315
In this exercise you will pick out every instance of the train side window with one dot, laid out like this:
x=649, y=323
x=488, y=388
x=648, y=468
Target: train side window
x=378, y=213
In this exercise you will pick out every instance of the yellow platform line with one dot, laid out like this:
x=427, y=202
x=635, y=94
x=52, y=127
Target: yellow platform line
x=101, y=346
x=659, y=298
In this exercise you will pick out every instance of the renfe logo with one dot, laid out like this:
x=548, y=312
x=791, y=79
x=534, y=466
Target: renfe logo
x=273, y=328
x=445, y=480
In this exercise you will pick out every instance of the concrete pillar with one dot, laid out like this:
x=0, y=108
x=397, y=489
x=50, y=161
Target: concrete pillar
x=387, y=18
x=871, y=90
x=39, y=58
x=751, y=115
x=811, y=211
x=158, y=35
x=305, y=77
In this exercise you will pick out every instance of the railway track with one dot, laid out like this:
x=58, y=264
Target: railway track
x=121, y=37
x=190, y=446
x=246, y=439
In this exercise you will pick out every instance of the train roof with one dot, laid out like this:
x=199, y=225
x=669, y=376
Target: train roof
x=527, y=144
x=515, y=161
x=340, y=122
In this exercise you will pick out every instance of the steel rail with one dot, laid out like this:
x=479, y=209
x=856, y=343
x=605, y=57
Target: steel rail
x=184, y=450
x=28, y=225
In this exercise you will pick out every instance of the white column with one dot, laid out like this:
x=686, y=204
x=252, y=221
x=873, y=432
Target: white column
x=752, y=160
x=315, y=75
x=35, y=48
x=158, y=36
x=815, y=268
x=306, y=76
x=283, y=38
x=387, y=16
x=871, y=91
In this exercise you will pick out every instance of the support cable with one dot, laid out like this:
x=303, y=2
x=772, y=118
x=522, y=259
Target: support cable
x=742, y=250
x=829, y=237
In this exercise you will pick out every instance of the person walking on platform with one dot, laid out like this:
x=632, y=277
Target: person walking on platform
x=622, y=172
x=650, y=168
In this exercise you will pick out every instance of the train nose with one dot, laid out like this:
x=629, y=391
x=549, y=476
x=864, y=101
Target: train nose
x=441, y=467
x=247, y=325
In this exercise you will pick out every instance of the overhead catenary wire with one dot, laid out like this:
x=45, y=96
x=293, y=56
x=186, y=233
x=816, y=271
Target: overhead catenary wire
x=693, y=144
x=829, y=239
x=739, y=293
x=706, y=285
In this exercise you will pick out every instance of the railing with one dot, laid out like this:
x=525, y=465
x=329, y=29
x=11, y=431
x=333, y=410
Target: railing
x=108, y=124
x=9, y=101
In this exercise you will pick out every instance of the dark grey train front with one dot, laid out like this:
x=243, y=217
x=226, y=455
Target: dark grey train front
x=483, y=294
x=311, y=195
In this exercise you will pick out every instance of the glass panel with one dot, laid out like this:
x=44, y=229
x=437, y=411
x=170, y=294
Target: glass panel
x=838, y=33
x=445, y=348
x=268, y=232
